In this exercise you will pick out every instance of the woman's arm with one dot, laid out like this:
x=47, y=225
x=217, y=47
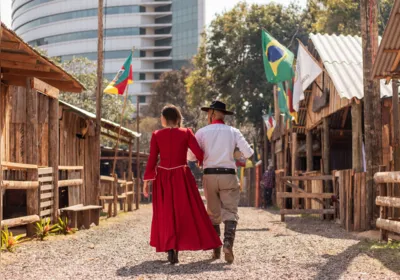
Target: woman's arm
x=195, y=147
x=150, y=173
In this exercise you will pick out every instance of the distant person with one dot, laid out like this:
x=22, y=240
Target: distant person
x=268, y=185
x=180, y=221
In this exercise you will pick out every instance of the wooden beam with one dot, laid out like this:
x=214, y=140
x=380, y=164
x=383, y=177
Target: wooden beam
x=25, y=66
x=304, y=195
x=390, y=51
x=123, y=140
x=18, y=166
x=309, y=151
x=20, y=221
x=300, y=190
x=70, y=167
x=130, y=177
x=356, y=123
x=345, y=114
x=387, y=177
x=45, y=88
x=389, y=225
x=388, y=201
x=308, y=178
x=70, y=183
x=396, y=135
x=307, y=211
x=32, y=144
x=10, y=57
x=9, y=45
x=20, y=185
x=54, y=151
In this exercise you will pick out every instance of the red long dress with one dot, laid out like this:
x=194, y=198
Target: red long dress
x=180, y=220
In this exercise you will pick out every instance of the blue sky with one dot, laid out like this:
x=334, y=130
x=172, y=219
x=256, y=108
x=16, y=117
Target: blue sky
x=212, y=7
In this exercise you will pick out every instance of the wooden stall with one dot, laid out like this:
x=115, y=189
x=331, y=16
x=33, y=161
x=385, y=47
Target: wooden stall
x=29, y=90
x=329, y=135
x=76, y=153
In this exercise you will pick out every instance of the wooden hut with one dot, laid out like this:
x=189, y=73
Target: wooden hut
x=387, y=67
x=76, y=153
x=329, y=136
x=29, y=111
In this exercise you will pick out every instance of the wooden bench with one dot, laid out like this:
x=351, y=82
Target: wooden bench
x=80, y=215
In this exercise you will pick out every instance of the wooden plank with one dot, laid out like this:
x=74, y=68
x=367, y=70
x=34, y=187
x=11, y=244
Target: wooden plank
x=388, y=225
x=45, y=179
x=297, y=188
x=309, y=151
x=20, y=221
x=387, y=177
x=45, y=212
x=46, y=195
x=25, y=66
x=54, y=150
x=115, y=194
x=107, y=178
x=18, y=166
x=388, y=201
x=350, y=204
x=20, y=185
x=40, y=75
x=357, y=202
x=45, y=88
x=46, y=204
x=70, y=183
x=106, y=197
x=10, y=57
x=304, y=195
x=307, y=211
x=10, y=45
x=70, y=168
x=45, y=171
x=363, y=206
x=307, y=178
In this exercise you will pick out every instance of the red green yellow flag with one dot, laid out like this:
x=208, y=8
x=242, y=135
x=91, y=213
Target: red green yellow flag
x=123, y=78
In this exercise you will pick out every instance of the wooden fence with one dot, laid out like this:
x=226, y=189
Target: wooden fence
x=297, y=192
x=387, y=223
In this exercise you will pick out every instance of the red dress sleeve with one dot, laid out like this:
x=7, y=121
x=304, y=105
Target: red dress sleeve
x=150, y=173
x=195, y=147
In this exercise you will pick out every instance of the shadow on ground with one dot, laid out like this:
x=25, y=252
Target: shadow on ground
x=252, y=229
x=163, y=267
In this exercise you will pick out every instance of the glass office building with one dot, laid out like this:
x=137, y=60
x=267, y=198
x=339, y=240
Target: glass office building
x=165, y=34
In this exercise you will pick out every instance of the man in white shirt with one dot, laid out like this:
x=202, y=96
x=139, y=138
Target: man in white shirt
x=221, y=185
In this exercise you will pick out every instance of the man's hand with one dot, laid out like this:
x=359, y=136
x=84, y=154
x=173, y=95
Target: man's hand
x=146, y=189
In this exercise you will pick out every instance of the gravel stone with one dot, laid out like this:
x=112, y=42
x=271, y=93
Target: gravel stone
x=265, y=248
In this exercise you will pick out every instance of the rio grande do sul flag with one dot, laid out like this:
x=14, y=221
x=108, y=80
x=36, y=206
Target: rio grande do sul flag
x=269, y=123
x=278, y=60
x=307, y=70
x=122, y=79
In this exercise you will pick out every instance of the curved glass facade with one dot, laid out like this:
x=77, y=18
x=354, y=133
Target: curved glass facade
x=90, y=34
x=78, y=14
x=107, y=55
x=19, y=10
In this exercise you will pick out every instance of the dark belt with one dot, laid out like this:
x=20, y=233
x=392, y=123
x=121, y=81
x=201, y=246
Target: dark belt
x=212, y=171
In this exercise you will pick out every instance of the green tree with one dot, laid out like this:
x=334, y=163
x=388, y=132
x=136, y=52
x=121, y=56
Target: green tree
x=341, y=17
x=235, y=54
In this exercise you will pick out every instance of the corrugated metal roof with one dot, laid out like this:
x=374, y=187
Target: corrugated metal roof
x=342, y=58
x=93, y=116
x=390, y=47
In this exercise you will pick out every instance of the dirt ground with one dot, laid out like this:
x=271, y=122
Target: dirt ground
x=265, y=248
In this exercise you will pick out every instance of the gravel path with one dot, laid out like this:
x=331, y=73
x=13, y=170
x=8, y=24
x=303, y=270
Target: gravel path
x=301, y=248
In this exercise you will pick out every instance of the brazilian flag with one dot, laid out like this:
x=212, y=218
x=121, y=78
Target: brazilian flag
x=278, y=60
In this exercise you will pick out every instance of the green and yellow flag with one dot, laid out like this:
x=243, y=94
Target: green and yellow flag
x=123, y=78
x=278, y=60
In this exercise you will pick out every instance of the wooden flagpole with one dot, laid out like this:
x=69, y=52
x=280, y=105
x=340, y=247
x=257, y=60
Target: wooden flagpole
x=1, y=130
x=120, y=126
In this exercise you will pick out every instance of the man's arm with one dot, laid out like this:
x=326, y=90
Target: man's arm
x=242, y=144
x=190, y=155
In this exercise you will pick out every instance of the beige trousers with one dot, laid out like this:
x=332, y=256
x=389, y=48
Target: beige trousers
x=222, y=193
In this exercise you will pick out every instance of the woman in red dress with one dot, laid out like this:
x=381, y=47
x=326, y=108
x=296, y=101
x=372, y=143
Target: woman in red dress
x=180, y=221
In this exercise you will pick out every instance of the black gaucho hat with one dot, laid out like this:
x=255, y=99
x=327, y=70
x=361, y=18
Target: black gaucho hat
x=217, y=106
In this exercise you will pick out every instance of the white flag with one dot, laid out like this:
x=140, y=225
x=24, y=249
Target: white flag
x=307, y=70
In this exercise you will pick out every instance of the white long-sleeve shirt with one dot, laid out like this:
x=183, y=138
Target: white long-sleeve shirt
x=218, y=141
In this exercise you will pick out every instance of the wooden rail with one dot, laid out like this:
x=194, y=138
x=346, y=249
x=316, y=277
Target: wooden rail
x=20, y=221
x=70, y=183
x=71, y=168
x=17, y=166
x=384, y=223
x=20, y=185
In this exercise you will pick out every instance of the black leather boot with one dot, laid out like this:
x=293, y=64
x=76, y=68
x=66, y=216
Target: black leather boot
x=217, y=251
x=229, y=238
x=173, y=256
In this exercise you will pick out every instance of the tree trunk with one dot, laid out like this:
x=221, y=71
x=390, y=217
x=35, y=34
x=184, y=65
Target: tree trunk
x=372, y=103
x=356, y=128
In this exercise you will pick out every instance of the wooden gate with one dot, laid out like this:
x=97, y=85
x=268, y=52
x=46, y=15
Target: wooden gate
x=297, y=192
x=385, y=222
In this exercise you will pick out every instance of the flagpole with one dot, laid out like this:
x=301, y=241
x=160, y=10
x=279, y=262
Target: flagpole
x=120, y=126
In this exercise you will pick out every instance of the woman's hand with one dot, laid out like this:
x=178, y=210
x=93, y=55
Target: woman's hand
x=146, y=189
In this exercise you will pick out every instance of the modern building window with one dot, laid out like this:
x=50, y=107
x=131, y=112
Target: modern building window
x=90, y=34
x=107, y=55
x=166, y=8
x=142, y=76
x=110, y=76
x=76, y=14
x=166, y=30
x=28, y=5
x=162, y=53
x=163, y=65
x=163, y=42
x=166, y=19
x=132, y=98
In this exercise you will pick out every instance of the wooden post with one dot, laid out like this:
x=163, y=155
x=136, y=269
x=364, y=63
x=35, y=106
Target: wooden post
x=32, y=151
x=1, y=130
x=383, y=210
x=356, y=129
x=115, y=194
x=396, y=144
x=130, y=199
x=326, y=152
x=54, y=153
x=99, y=97
x=309, y=151
x=138, y=195
x=265, y=143
x=294, y=166
x=372, y=101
